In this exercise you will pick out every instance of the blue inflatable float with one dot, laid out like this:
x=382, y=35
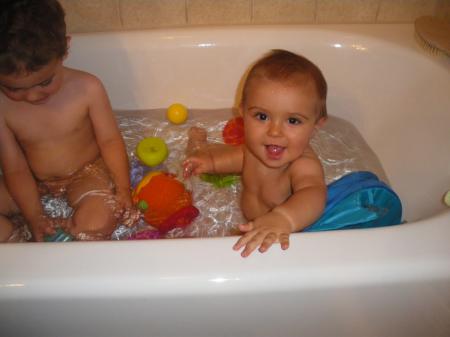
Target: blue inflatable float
x=358, y=200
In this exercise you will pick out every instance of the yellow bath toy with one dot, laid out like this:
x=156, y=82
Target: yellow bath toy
x=152, y=151
x=447, y=198
x=177, y=113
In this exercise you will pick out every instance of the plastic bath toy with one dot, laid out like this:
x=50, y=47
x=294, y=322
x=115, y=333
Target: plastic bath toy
x=164, y=201
x=152, y=151
x=177, y=113
x=233, y=132
x=59, y=236
x=447, y=198
x=220, y=180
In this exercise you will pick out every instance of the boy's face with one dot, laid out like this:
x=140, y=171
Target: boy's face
x=35, y=87
x=279, y=120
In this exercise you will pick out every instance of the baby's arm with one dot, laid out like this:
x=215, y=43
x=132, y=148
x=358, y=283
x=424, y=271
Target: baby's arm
x=301, y=209
x=109, y=140
x=21, y=183
x=212, y=158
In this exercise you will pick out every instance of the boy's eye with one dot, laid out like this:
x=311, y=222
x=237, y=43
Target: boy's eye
x=13, y=89
x=261, y=116
x=294, y=121
x=46, y=82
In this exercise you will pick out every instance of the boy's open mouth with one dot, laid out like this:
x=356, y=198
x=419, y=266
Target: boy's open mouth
x=274, y=151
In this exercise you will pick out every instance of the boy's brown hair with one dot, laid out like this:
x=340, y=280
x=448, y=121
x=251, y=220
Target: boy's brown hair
x=282, y=65
x=32, y=34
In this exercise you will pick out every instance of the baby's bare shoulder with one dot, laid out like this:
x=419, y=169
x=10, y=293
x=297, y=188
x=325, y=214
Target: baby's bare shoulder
x=306, y=169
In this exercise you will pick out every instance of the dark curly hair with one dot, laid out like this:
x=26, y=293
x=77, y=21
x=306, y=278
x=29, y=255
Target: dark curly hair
x=32, y=34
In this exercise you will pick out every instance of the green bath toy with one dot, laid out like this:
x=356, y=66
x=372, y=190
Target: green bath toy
x=220, y=180
x=447, y=198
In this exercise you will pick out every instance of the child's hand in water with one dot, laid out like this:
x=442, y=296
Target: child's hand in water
x=42, y=226
x=130, y=216
x=200, y=162
x=263, y=232
x=125, y=211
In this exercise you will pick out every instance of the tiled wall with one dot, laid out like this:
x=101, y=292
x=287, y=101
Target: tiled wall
x=105, y=15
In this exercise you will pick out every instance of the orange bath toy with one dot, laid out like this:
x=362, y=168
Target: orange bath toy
x=233, y=132
x=165, y=202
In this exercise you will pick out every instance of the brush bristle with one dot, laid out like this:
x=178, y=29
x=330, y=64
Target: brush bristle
x=428, y=47
x=433, y=34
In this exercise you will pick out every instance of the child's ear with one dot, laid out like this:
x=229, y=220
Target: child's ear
x=68, y=39
x=321, y=122
x=241, y=110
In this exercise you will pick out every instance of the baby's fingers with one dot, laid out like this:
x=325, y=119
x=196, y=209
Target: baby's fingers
x=188, y=167
x=247, y=227
x=284, y=241
x=251, y=241
x=268, y=241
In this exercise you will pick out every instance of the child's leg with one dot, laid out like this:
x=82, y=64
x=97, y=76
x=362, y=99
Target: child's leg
x=197, y=140
x=91, y=196
x=7, y=207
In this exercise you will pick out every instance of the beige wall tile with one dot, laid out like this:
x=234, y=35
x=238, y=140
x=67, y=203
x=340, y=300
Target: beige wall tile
x=283, y=11
x=346, y=11
x=201, y=12
x=91, y=15
x=443, y=9
x=152, y=13
x=405, y=10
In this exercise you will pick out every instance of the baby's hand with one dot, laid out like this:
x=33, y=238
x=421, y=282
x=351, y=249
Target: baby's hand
x=43, y=226
x=130, y=216
x=125, y=211
x=199, y=163
x=263, y=232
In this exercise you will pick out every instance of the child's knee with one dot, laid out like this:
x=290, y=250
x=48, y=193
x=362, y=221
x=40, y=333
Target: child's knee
x=93, y=216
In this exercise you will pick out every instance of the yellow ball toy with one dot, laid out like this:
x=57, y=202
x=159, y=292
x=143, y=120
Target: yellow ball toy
x=177, y=113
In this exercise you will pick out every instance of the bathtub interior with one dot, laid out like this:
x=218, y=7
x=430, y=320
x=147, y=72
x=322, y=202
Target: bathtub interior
x=379, y=282
x=395, y=93
x=340, y=147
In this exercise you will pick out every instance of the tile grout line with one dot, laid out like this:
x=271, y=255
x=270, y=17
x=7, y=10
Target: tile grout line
x=378, y=11
x=119, y=9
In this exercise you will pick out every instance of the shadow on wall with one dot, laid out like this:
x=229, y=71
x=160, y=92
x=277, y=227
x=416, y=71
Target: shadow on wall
x=83, y=50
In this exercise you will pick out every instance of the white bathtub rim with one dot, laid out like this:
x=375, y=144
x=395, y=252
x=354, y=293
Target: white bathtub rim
x=200, y=273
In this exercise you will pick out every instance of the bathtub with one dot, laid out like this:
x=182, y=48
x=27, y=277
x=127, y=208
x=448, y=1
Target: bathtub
x=392, y=281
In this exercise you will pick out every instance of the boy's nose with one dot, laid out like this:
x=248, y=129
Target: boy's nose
x=274, y=129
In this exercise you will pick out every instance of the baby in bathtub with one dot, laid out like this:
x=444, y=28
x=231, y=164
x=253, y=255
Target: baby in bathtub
x=283, y=102
x=58, y=134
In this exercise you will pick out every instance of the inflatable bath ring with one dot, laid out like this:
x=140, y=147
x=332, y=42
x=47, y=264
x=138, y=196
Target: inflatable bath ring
x=233, y=132
x=177, y=113
x=164, y=201
x=152, y=151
